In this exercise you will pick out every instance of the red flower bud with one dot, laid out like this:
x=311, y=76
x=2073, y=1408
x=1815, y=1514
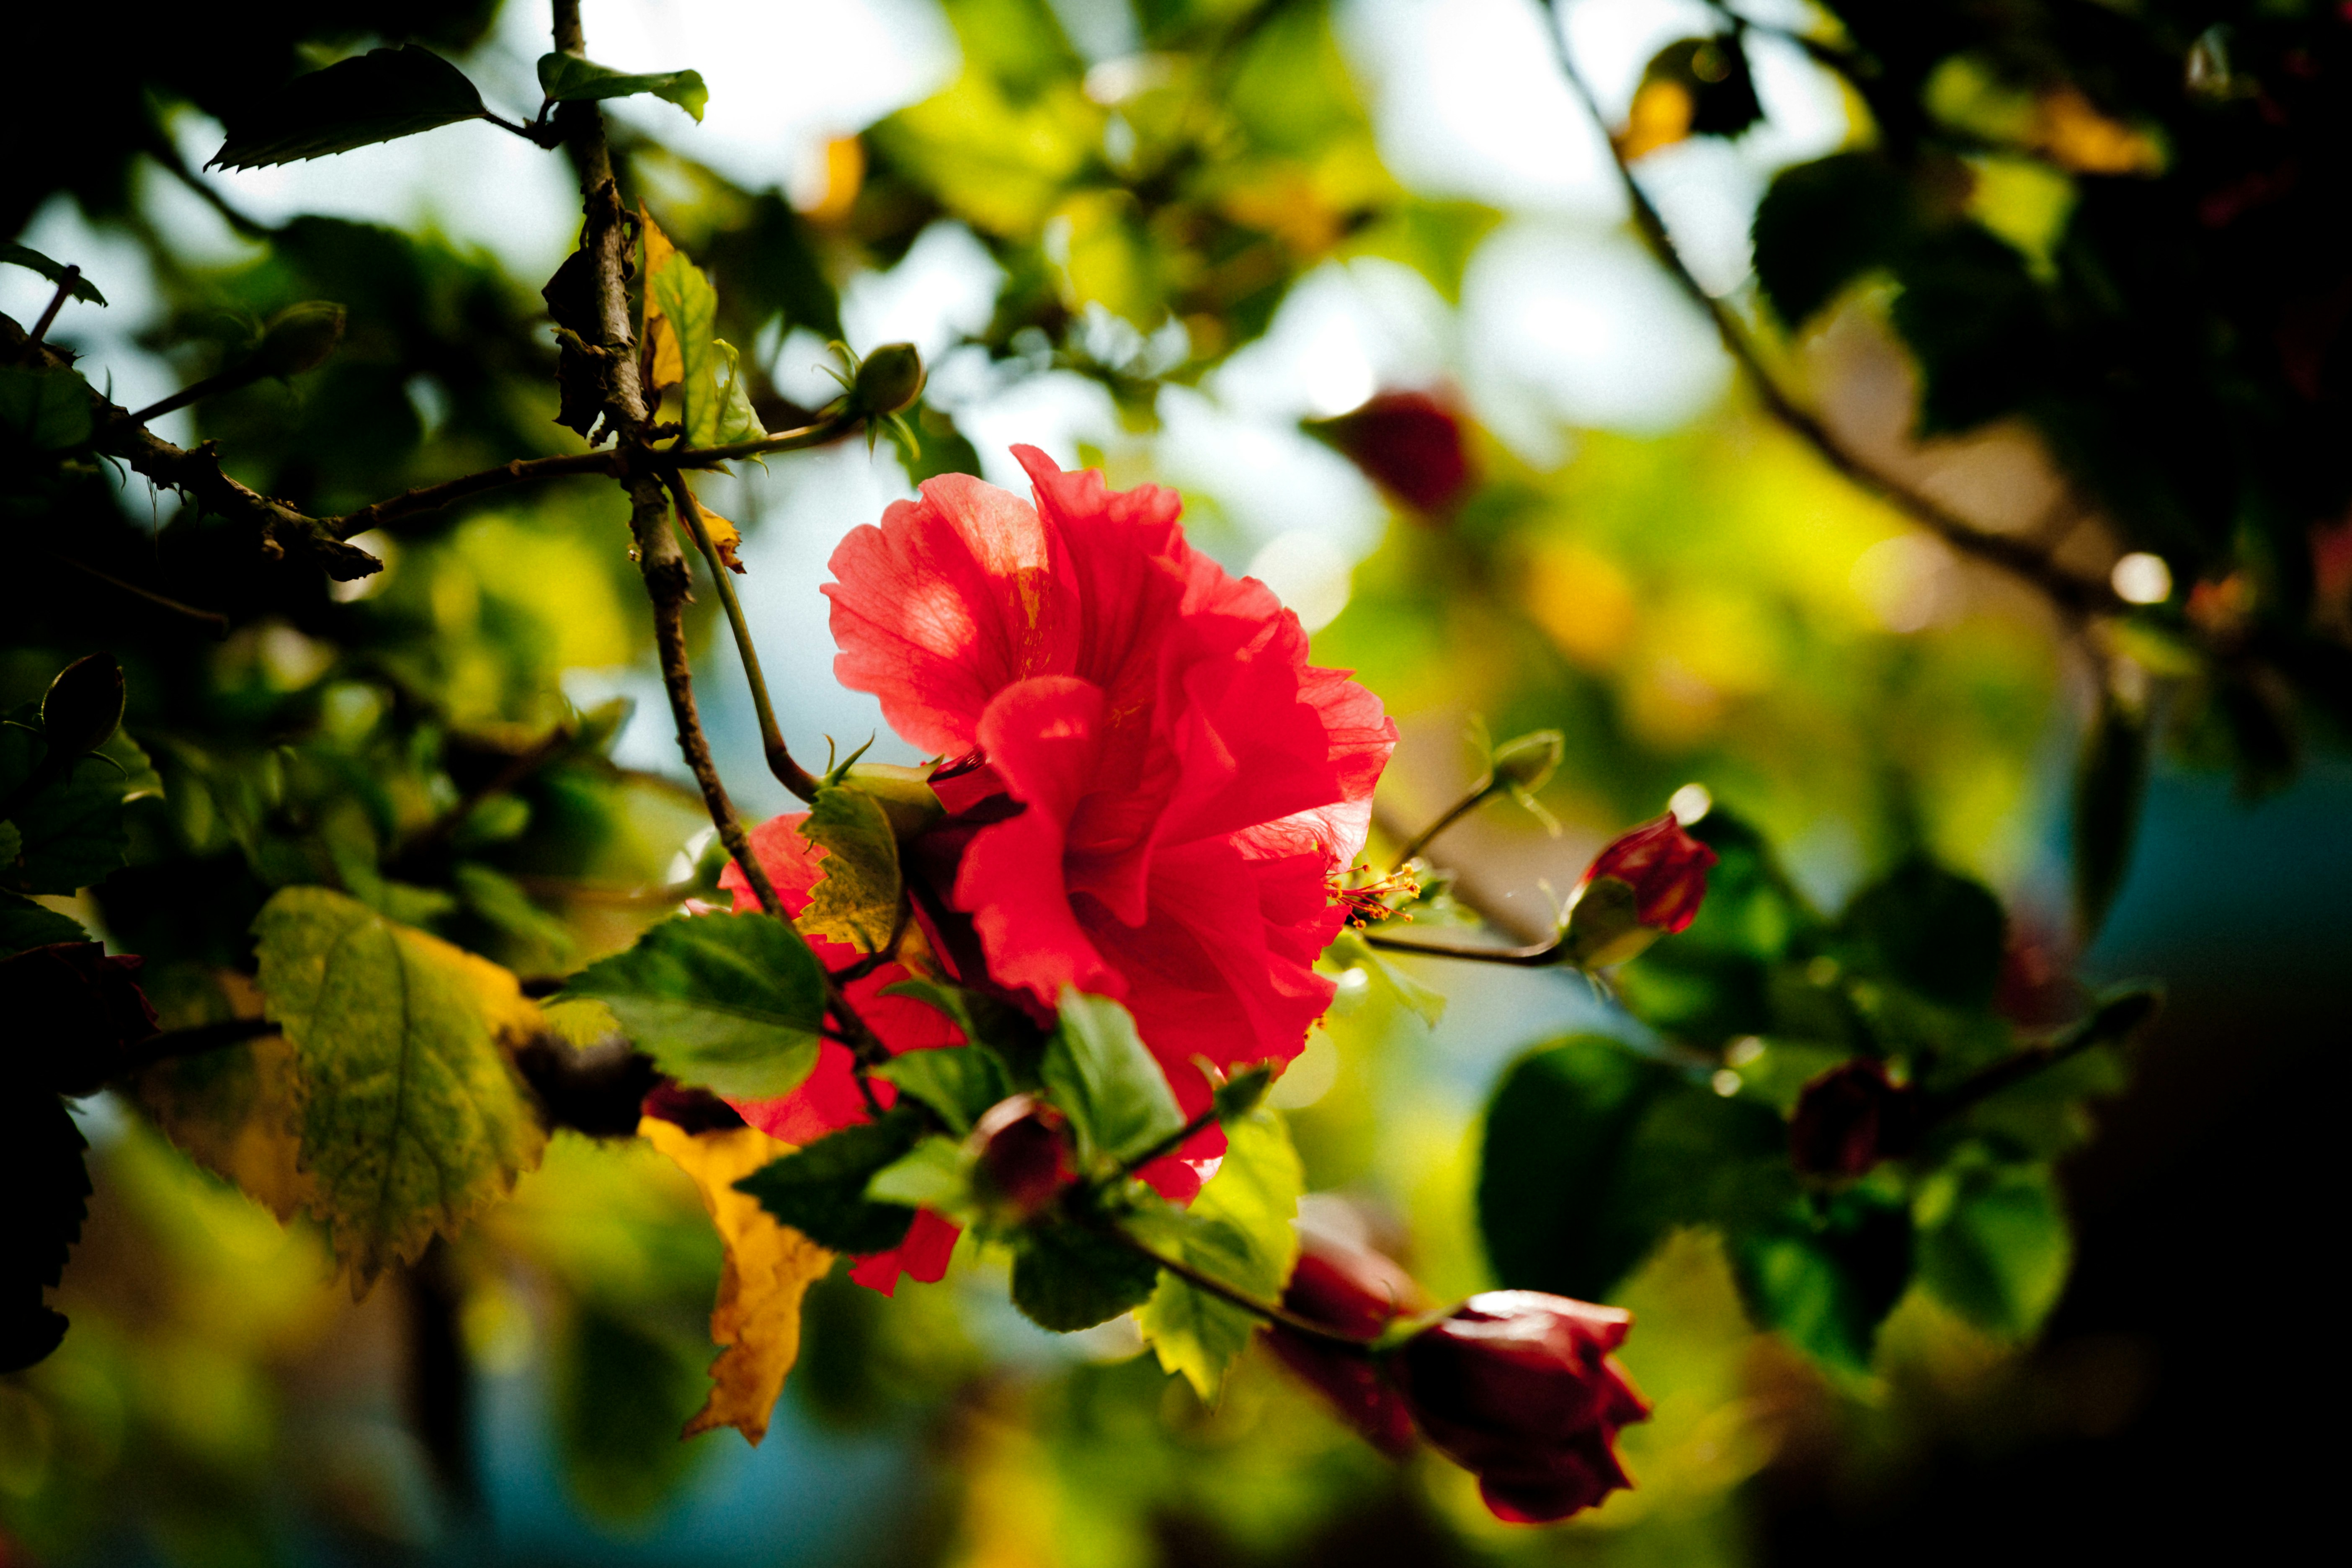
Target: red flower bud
x=1516, y=1386
x=1519, y=1388
x=1355, y=1292
x=1666, y=869
x=1407, y=442
x=1024, y=1153
x=1851, y=1118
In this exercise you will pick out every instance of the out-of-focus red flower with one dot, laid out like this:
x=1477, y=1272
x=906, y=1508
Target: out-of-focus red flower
x=1521, y=1389
x=1516, y=1386
x=828, y=1099
x=75, y=1009
x=1851, y=1118
x=1154, y=786
x=1024, y=1155
x=1666, y=869
x=1407, y=442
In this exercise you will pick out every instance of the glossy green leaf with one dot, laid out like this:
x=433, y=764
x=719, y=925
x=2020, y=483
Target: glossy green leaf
x=1098, y=1072
x=44, y=408
x=1240, y=1232
x=730, y=1003
x=820, y=1191
x=569, y=79
x=15, y=255
x=413, y=1118
x=1933, y=931
x=959, y=1082
x=856, y=901
x=380, y=96
x=934, y=1175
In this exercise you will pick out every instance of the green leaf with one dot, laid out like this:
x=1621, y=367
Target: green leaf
x=44, y=408
x=1066, y=1278
x=1717, y=980
x=1826, y=1272
x=568, y=78
x=820, y=1191
x=41, y=1163
x=380, y=96
x=1098, y=1070
x=2107, y=793
x=413, y=1118
x=25, y=256
x=732, y=1003
x=959, y=1082
x=1244, y=1238
x=24, y=924
x=855, y=901
x=1993, y=1244
x=1824, y=224
x=717, y=409
x=934, y=1175
x=1933, y=931
x=72, y=830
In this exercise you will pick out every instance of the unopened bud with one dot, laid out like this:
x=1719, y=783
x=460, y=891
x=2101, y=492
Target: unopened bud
x=83, y=706
x=298, y=338
x=888, y=379
x=1527, y=763
x=904, y=794
x=1851, y=1118
x=1023, y=1155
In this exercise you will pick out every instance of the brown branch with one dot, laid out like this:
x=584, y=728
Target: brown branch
x=2073, y=593
x=198, y=473
x=57, y=302
x=432, y=498
x=212, y=620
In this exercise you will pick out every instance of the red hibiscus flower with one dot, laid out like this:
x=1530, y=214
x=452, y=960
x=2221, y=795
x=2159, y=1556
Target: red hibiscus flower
x=1164, y=788
x=829, y=1099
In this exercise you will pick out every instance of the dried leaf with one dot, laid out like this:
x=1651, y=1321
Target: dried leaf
x=769, y=1267
x=660, y=337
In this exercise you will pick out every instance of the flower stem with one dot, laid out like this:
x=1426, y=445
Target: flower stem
x=1453, y=814
x=789, y=773
x=1236, y=1297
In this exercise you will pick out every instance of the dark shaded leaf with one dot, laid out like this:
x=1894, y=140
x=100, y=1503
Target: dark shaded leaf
x=83, y=706
x=820, y=1191
x=1939, y=933
x=1066, y=1278
x=380, y=96
x=1994, y=1244
x=732, y=1003
x=47, y=409
x=1824, y=224
x=25, y=256
x=26, y=924
x=41, y=1163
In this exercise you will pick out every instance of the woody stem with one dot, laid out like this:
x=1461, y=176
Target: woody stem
x=789, y=773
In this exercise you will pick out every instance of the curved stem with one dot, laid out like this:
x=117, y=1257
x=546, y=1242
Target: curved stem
x=57, y=302
x=1233, y=1296
x=789, y=773
x=1534, y=955
x=830, y=427
x=1453, y=814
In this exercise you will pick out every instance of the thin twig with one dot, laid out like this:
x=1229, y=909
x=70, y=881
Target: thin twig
x=1453, y=813
x=1173, y=1142
x=432, y=498
x=190, y=1042
x=1231, y=1295
x=789, y=773
x=57, y=302
x=1534, y=955
x=2074, y=594
x=211, y=619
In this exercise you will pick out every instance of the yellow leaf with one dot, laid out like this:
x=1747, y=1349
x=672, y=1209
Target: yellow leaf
x=238, y=1113
x=768, y=1269
x=668, y=363
x=725, y=537
x=2076, y=136
x=1661, y=117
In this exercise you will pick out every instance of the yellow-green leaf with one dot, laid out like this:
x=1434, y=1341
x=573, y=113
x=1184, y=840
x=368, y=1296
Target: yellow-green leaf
x=412, y=1116
x=856, y=900
x=1244, y=1238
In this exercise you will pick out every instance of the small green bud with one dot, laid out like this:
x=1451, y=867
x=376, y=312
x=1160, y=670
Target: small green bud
x=888, y=379
x=1240, y=1094
x=904, y=795
x=1603, y=925
x=298, y=338
x=1526, y=763
x=83, y=706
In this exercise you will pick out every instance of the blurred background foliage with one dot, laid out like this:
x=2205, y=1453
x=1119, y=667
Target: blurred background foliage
x=2063, y=270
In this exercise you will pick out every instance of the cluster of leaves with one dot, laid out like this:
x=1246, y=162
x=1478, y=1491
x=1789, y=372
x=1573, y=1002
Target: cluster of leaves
x=2112, y=226
x=1598, y=1149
